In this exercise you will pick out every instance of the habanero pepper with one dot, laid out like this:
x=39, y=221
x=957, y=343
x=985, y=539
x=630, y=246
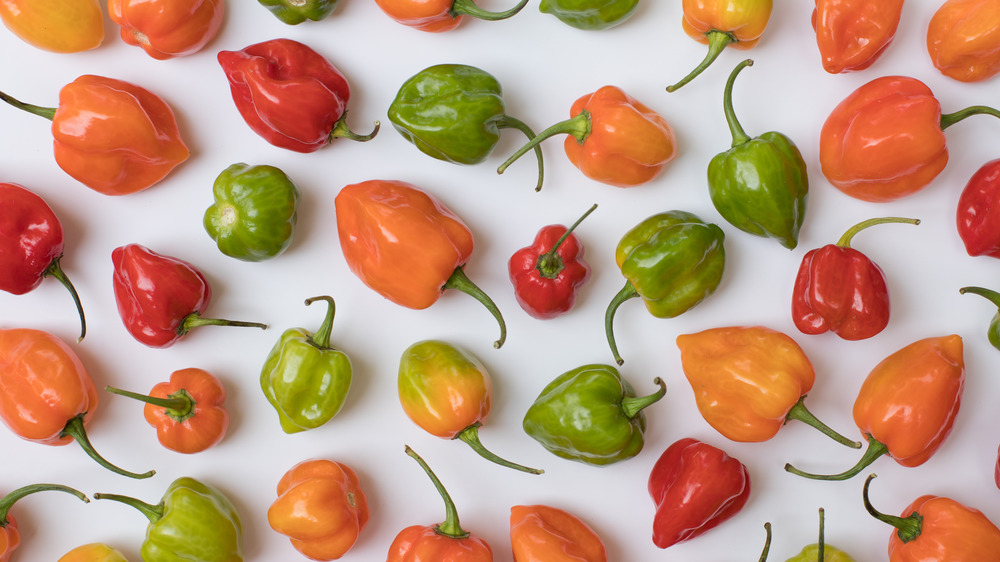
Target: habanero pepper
x=93, y=552
x=166, y=29
x=294, y=12
x=853, y=34
x=820, y=551
x=993, y=333
x=113, y=136
x=59, y=26
x=613, y=139
x=978, y=214
x=907, y=405
x=10, y=535
x=290, y=95
x=436, y=16
x=542, y=533
x=963, y=39
x=590, y=15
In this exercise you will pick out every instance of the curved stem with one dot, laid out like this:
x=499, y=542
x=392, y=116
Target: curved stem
x=549, y=264
x=992, y=296
x=46, y=112
x=949, y=119
x=55, y=271
x=470, y=436
x=801, y=413
x=735, y=129
x=845, y=240
x=469, y=8
x=460, y=281
x=74, y=428
x=450, y=527
x=907, y=528
x=152, y=512
x=194, y=320
x=321, y=338
x=717, y=42
x=508, y=122
x=342, y=131
x=875, y=450
x=179, y=404
x=767, y=542
x=632, y=405
x=8, y=501
x=578, y=126
x=627, y=292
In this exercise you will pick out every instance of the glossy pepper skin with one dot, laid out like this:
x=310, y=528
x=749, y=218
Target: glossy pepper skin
x=613, y=138
x=907, y=405
x=993, y=333
x=93, y=552
x=542, y=533
x=853, y=34
x=294, y=12
x=841, y=290
x=695, y=487
x=113, y=136
x=437, y=16
x=31, y=245
x=254, y=212
x=46, y=394
x=673, y=261
x=590, y=15
x=978, y=215
x=760, y=185
x=193, y=521
x=963, y=39
x=448, y=393
x=161, y=298
x=321, y=508
x=454, y=112
x=166, y=29
x=304, y=378
x=60, y=26
x=720, y=24
x=10, y=535
x=406, y=245
x=820, y=551
x=886, y=140
x=749, y=381
x=289, y=94
x=188, y=411
x=548, y=274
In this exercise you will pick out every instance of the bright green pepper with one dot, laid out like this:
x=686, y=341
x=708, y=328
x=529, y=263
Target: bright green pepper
x=590, y=14
x=760, y=185
x=193, y=521
x=591, y=415
x=673, y=261
x=294, y=12
x=820, y=551
x=305, y=379
x=254, y=214
x=454, y=112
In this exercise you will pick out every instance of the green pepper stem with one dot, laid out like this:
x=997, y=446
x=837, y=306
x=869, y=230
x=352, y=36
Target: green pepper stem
x=875, y=450
x=469, y=8
x=8, y=501
x=801, y=413
x=907, y=528
x=508, y=122
x=627, y=292
x=342, y=131
x=459, y=280
x=74, y=428
x=767, y=543
x=821, y=545
x=46, y=112
x=632, y=405
x=549, y=264
x=845, y=240
x=717, y=42
x=55, y=271
x=949, y=119
x=321, y=338
x=450, y=527
x=152, y=512
x=180, y=405
x=735, y=129
x=992, y=296
x=194, y=320
x=470, y=436
x=578, y=126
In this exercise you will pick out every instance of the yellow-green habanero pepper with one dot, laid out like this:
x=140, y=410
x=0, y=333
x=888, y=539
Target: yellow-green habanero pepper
x=305, y=379
x=820, y=551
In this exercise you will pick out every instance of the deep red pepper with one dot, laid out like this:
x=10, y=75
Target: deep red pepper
x=547, y=274
x=289, y=94
x=31, y=245
x=161, y=298
x=695, y=487
x=841, y=290
x=978, y=216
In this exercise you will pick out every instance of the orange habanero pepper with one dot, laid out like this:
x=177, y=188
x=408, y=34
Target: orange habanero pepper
x=168, y=28
x=10, y=536
x=853, y=34
x=93, y=552
x=436, y=16
x=963, y=39
x=320, y=507
x=540, y=533
x=907, y=405
x=60, y=26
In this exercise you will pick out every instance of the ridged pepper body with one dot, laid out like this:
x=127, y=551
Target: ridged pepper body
x=963, y=39
x=853, y=34
x=166, y=29
x=542, y=533
x=590, y=14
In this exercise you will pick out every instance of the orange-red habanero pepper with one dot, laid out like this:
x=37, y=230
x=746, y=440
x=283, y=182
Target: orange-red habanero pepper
x=541, y=533
x=963, y=39
x=168, y=28
x=853, y=34
x=436, y=16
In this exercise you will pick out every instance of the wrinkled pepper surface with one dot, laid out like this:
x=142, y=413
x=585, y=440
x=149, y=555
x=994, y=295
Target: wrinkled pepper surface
x=60, y=26
x=10, y=535
x=993, y=332
x=590, y=15
x=853, y=34
x=963, y=39
x=454, y=112
x=166, y=29
x=748, y=381
x=93, y=552
x=436, y=16
x=321, y=508
x=448, y=393
x=289, y=94
x=612, y=138
x=820, y=551
x=542, y=533
x=978, y=214
x=907, y=405
x=590, y=414
x=760, y=185
x=113, y=136
x=294, y=12
x=673, y=261
x=406, y=245
x=304, y=378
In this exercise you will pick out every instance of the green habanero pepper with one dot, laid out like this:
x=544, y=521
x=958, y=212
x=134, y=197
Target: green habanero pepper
x=254, y=214
x=305, y=379
x=590, y=14
x=760, y=185
x=193, y=521
x=294, y=12
x=673, y=261
x=591, y=415
x=454, y=112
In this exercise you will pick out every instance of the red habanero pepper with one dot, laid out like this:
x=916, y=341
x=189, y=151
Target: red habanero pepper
x=541, y=533
x=695, y=487
x=436, y=16
x=963, y=39
x=168, y=28
x=978, y=216
x=31, y=245
x=161, y=298
x=886, y=139
x=290, y=95
x=10, y=536
x=841, y=290
x=547, y=274
x=853, y=34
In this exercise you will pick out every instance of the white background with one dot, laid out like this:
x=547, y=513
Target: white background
x=544, y=66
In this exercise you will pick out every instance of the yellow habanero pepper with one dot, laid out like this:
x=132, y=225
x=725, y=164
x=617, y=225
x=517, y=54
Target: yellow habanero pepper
x=60, y=26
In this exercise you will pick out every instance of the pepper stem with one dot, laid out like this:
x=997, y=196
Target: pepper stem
x=949, y=119
x=508, y=122
x=632, y=405
x=992, y=296
x=152, y=512
x=470, y=436
x=321, y=338
x=460, y=281
x=578, y=126
x=8, y=501
x=74, y=428
x=907, y=528
x=342, y=131
x=450, y=527
x=46, y=112
x=53, y=270
x=549, y=264
x=845, y=240
x=627, y=292
x=180, y=405
x=194, y=320
x=717, y=42
x=875, y=450
x=469, y=8
x=739, y=135
x=801, y=413
x=821, y=546
x=767, y=542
